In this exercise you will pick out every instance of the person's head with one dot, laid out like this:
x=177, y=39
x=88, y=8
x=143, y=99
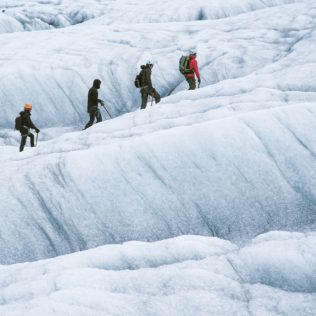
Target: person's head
x=192, y=53
x=97, y=83
x=28, y=107
x=150, y=64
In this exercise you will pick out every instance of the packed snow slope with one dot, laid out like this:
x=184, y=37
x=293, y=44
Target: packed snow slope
x=187, y=275
x=233, y=159
x=171, y=170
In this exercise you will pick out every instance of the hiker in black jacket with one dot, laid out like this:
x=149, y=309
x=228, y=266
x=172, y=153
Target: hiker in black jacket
x=147, y=88
x=93, y=101
x=26, y=125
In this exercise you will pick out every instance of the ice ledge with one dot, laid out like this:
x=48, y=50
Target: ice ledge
x=188, y=275
x=34, y=15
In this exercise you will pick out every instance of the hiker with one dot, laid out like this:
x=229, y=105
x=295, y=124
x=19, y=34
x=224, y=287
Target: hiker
x=145, y=85
x=191, y=70
x=24, y=126
x=93, y=101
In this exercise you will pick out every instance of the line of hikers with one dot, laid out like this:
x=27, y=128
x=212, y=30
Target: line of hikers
x=188, y=67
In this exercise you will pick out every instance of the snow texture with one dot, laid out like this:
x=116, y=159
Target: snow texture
x=60, y=65
x=35, y=15
x=273, y=275
x=233, y=159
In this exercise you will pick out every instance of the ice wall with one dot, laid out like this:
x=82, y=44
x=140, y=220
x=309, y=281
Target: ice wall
x=37, y=15
x=149, y=176
x=54, y=70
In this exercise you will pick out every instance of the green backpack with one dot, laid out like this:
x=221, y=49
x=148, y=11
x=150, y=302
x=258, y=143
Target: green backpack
x=184, y=65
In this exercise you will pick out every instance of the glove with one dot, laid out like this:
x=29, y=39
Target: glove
x=37, y=131
x=199, y=81
x=102, y=103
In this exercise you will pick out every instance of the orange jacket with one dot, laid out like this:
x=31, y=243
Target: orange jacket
x=193, y=65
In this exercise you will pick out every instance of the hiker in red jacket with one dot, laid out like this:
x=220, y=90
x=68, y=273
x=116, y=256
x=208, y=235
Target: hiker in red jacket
x=193, y=66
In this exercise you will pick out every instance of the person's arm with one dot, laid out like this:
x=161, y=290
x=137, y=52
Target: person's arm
x=99, y=100
x=31, y=124
x=196, y=69
x=148, y=79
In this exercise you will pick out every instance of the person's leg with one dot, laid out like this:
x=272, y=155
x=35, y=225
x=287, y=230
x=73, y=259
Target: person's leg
x=192, y=83
x=144, y=100
x=98, y=116
x=91, y=120
x=23, y=142
x=156, y=96
x=32, y=139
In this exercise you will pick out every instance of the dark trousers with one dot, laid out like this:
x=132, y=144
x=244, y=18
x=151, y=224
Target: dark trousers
x=192, y=83
x=94, y=115
x=24, y=138
x=146, y=92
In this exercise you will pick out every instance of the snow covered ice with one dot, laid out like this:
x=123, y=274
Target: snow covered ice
x=40, y=15
x=187, y=275
x=211, y=192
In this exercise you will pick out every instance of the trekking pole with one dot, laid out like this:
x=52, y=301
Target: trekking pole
x=152, y=100
x=202, y=78
x=36, y=139
x=107, y=111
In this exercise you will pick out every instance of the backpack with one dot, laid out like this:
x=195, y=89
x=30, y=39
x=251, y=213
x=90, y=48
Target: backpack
x=137, y=81
x=184, y=65
x=18, y=123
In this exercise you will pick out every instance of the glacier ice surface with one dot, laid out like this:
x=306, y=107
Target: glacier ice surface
x=189, y=275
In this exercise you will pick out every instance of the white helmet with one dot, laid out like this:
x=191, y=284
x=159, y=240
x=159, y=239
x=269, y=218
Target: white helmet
x=192, y=51
x=149, y=62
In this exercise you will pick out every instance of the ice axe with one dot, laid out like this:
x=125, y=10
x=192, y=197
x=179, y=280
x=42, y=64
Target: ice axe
x=106, y=109
x=36, y=139
x=152, y=100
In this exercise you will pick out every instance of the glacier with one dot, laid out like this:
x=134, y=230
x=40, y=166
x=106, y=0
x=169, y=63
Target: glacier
x=144, y=176
x=187, y=275
x=204, y=204
x=62, y=67
x=34, y=15
x=233, y=159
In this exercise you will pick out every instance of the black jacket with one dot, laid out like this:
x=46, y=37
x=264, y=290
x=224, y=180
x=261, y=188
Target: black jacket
x=93, y=99
x=26, y=120
x=145, y=77
x=93, y=96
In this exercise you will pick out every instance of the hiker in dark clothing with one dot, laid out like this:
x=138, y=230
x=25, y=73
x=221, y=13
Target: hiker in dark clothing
x=93, y=101
x=26, y=125
x=147, y=88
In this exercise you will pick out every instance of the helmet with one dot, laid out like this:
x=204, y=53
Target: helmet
x=192, y=51
x=28, y=107
x=150, y=64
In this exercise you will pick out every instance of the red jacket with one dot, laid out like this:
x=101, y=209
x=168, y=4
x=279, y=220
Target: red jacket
x=193, y=66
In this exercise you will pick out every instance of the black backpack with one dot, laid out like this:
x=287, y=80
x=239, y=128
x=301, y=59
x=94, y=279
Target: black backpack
x=184, y=65
x=140, y=78
x=137, y=81
x=18, y=123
